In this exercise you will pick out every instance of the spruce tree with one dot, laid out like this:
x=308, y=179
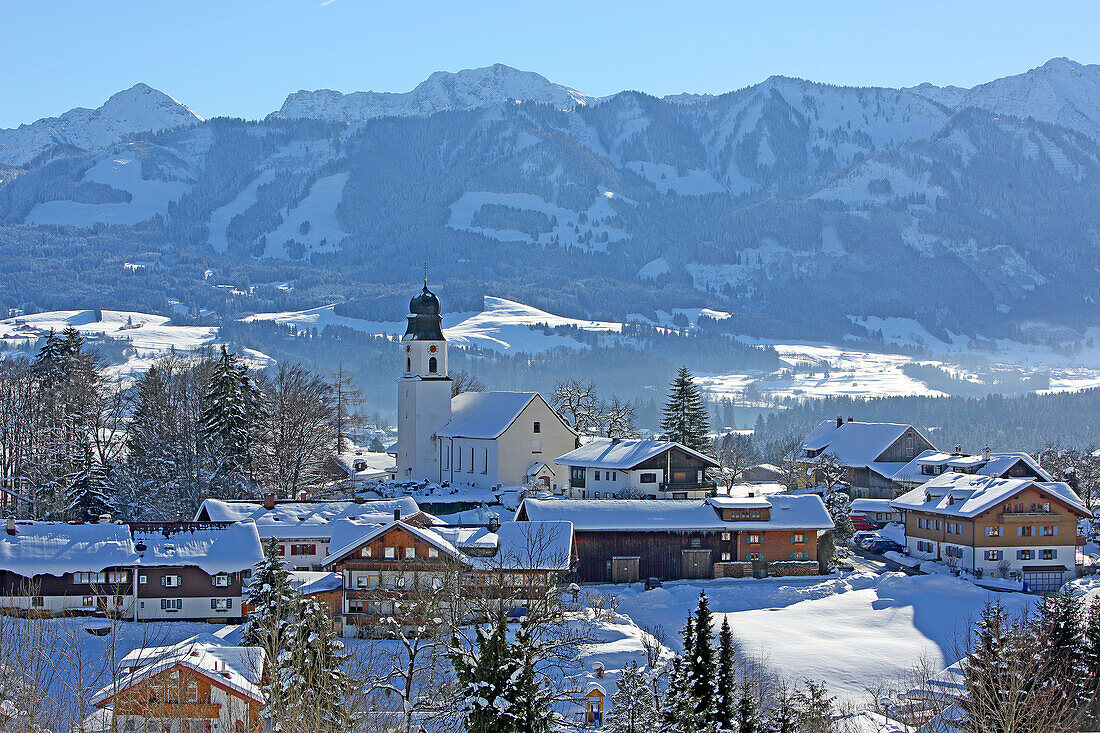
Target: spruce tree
x=310, y=685
x=990, y=673
x=701, y=661
x=679, y=710
x=840, y=511
x=725, y=680
x=272, y=599
x=685, y=415
x=230, y=422
x=632, y=704
x=783, y=716
x=1060, y=633
x=486, y=675
x=531, y=701
x=87, y=495
x=748, y=712
x=1091, y=665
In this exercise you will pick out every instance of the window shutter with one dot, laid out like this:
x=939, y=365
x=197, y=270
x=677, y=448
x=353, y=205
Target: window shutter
x=213, y=603
x=1054, y=554
x=1056, y=530
x=164, y=583
x=163, y=603
x=213, y=580
x=229, y=603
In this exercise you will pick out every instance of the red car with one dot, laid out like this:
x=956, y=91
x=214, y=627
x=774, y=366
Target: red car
x=861, y=522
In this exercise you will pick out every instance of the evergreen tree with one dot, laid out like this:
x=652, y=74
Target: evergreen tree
x=230, y=421
x=840, y=511
x=814, y=708
x=679, y=710
x=88, y=493
x=725, y=682
x=272, y=600
x=47, y=364
x=783, y=716
x=991, y=674
x=1061, y=637
x=685, y=415
x=1091, y=665
x=700, y=663
x=748, y=712
x=632, y=708
x=309, y=686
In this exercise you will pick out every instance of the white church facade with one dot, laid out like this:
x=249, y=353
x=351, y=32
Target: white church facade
x=485, y=439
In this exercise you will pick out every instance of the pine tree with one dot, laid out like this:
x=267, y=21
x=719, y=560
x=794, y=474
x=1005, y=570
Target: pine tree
x=685, y=415
x=309, y=686
x=725, y=682
x=632, y=708
x=272, y=600
x=230, y=421
x=701, y=661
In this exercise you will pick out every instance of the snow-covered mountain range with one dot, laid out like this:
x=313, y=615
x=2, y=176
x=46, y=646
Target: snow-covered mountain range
x=139, y=109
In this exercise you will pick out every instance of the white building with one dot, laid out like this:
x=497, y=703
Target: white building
x=655, y=469
x=484, y=439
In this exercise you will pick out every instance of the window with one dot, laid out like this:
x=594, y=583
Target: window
x=408, y=365
x=696, y=542
x=1044, y=507
x=471, y=468
x=798, y=539
x=410, y=553
x=596, y=477
x=993, y=555
x=458, y=458
x=758, y=556
x=220, y=580
x=485, y=460
x=754, y=539
x=537, y=427
x=1050, y=554
x=648, y=478
x=171, y=581
x=366, y=551
x=433, y=365
x=1049, y=530
x=390, y=553
x=399, y=582
x=994, y=531
x=117, y=576
x=725, y=536
x=800, y=556
x=432, y=552
x=87, y=578
x=303, y=549
x=38, y=601
x=171, y=604
x=1025, y=531
x=725, y=556
x=1025, y=554
x=221, y=604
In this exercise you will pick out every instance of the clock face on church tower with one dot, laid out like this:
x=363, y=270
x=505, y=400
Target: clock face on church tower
x=432, y=348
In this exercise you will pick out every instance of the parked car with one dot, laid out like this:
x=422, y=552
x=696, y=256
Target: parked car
x=859, y=537
x=882, y=546
x=651, y=583
x=861, y=521
x=868, y=541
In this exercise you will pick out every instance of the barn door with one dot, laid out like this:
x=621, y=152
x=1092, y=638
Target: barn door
x=624, y=570
x=695, y=564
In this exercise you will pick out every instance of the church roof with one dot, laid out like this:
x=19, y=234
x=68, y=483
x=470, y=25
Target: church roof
x=485, y=415
x=425, y=323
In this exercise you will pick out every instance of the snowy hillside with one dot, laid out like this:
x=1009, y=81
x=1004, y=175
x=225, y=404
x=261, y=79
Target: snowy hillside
x=466, y=89
x=1061, y=91
x=138, y=109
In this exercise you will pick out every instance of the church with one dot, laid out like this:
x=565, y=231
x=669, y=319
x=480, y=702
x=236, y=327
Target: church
x=485, y=439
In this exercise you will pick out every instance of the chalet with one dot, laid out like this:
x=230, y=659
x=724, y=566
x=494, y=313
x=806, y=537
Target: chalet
x=199, y=685
x=932, y=463
x=416, y=574
x=877, y=511
x=304, y=528
x=653, y=469
x=356, y=469
x=871, y=453
x=54, y=568
x=192, y=570
x=997, y=527
x=173, y=570
x=485, y=439
x=625, y=540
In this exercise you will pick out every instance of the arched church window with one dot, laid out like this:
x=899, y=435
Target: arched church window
x=433, y=365
x=408, y=365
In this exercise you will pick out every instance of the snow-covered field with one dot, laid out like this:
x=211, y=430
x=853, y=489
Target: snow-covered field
x=570, y=228
x=850, y=631
x=150, y=336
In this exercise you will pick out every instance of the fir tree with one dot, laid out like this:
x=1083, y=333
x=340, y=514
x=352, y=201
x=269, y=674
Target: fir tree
x=814, y=708
x=700, y=663
x=678, y=712
x=1091, y=664
x=783, y=716
x=230, y=421
x=840, y=511
x=309, y=686
x=990, y=674
x=272, y=600
x=632, y=708
x=47, y=364
x=685, y=415
x=87, y=494
x=1061, y=637
x=748, y=712
x=725, y=682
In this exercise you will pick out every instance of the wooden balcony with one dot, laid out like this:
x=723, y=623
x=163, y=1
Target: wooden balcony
x=171, y=710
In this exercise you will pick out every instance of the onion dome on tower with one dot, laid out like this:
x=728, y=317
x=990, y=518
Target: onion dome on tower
x=425, y=323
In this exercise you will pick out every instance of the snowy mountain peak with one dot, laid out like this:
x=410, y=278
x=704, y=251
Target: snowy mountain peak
x=137, y=109
x=442, y=91
x=1061, y=91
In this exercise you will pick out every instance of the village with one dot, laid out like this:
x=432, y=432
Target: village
x=492, y=505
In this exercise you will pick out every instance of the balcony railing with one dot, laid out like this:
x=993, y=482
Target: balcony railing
x=670, y=486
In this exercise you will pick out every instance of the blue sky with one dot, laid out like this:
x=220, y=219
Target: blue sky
x=242, y=57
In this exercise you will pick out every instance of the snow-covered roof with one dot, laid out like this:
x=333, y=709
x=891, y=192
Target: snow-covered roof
x=228, y=549
x=739, y=502
x=485, y=415
x=337, y=552
x=871, y=505
x=968, y=495
x=995, y=464
x=610, y=515
x=744, y=490
x=236, y=668
x=305, y=519
x=534, y=545
x=623, y=455
x=56, y=548
x=854, y=443
x=308, y=582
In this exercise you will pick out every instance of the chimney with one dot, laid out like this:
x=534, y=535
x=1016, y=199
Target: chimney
x=494, y=523
x=269, y=501
x=849, y=418
x=397, y=514
x=985, y=453
x=11, y=525
x=839, y=420
x=959, y=449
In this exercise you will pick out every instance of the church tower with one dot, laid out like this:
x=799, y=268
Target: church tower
x=423, y=390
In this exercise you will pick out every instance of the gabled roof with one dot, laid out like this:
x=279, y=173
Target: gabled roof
x=486, y=415
x=234, y=668
x=309, y=582
x=856, y=444
x=56, y=548
x=968, y=495
x=804, y=511
x=228, y=549
x=623, y=455
x=370, y=533
x=997, y=464
x=303, y=512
